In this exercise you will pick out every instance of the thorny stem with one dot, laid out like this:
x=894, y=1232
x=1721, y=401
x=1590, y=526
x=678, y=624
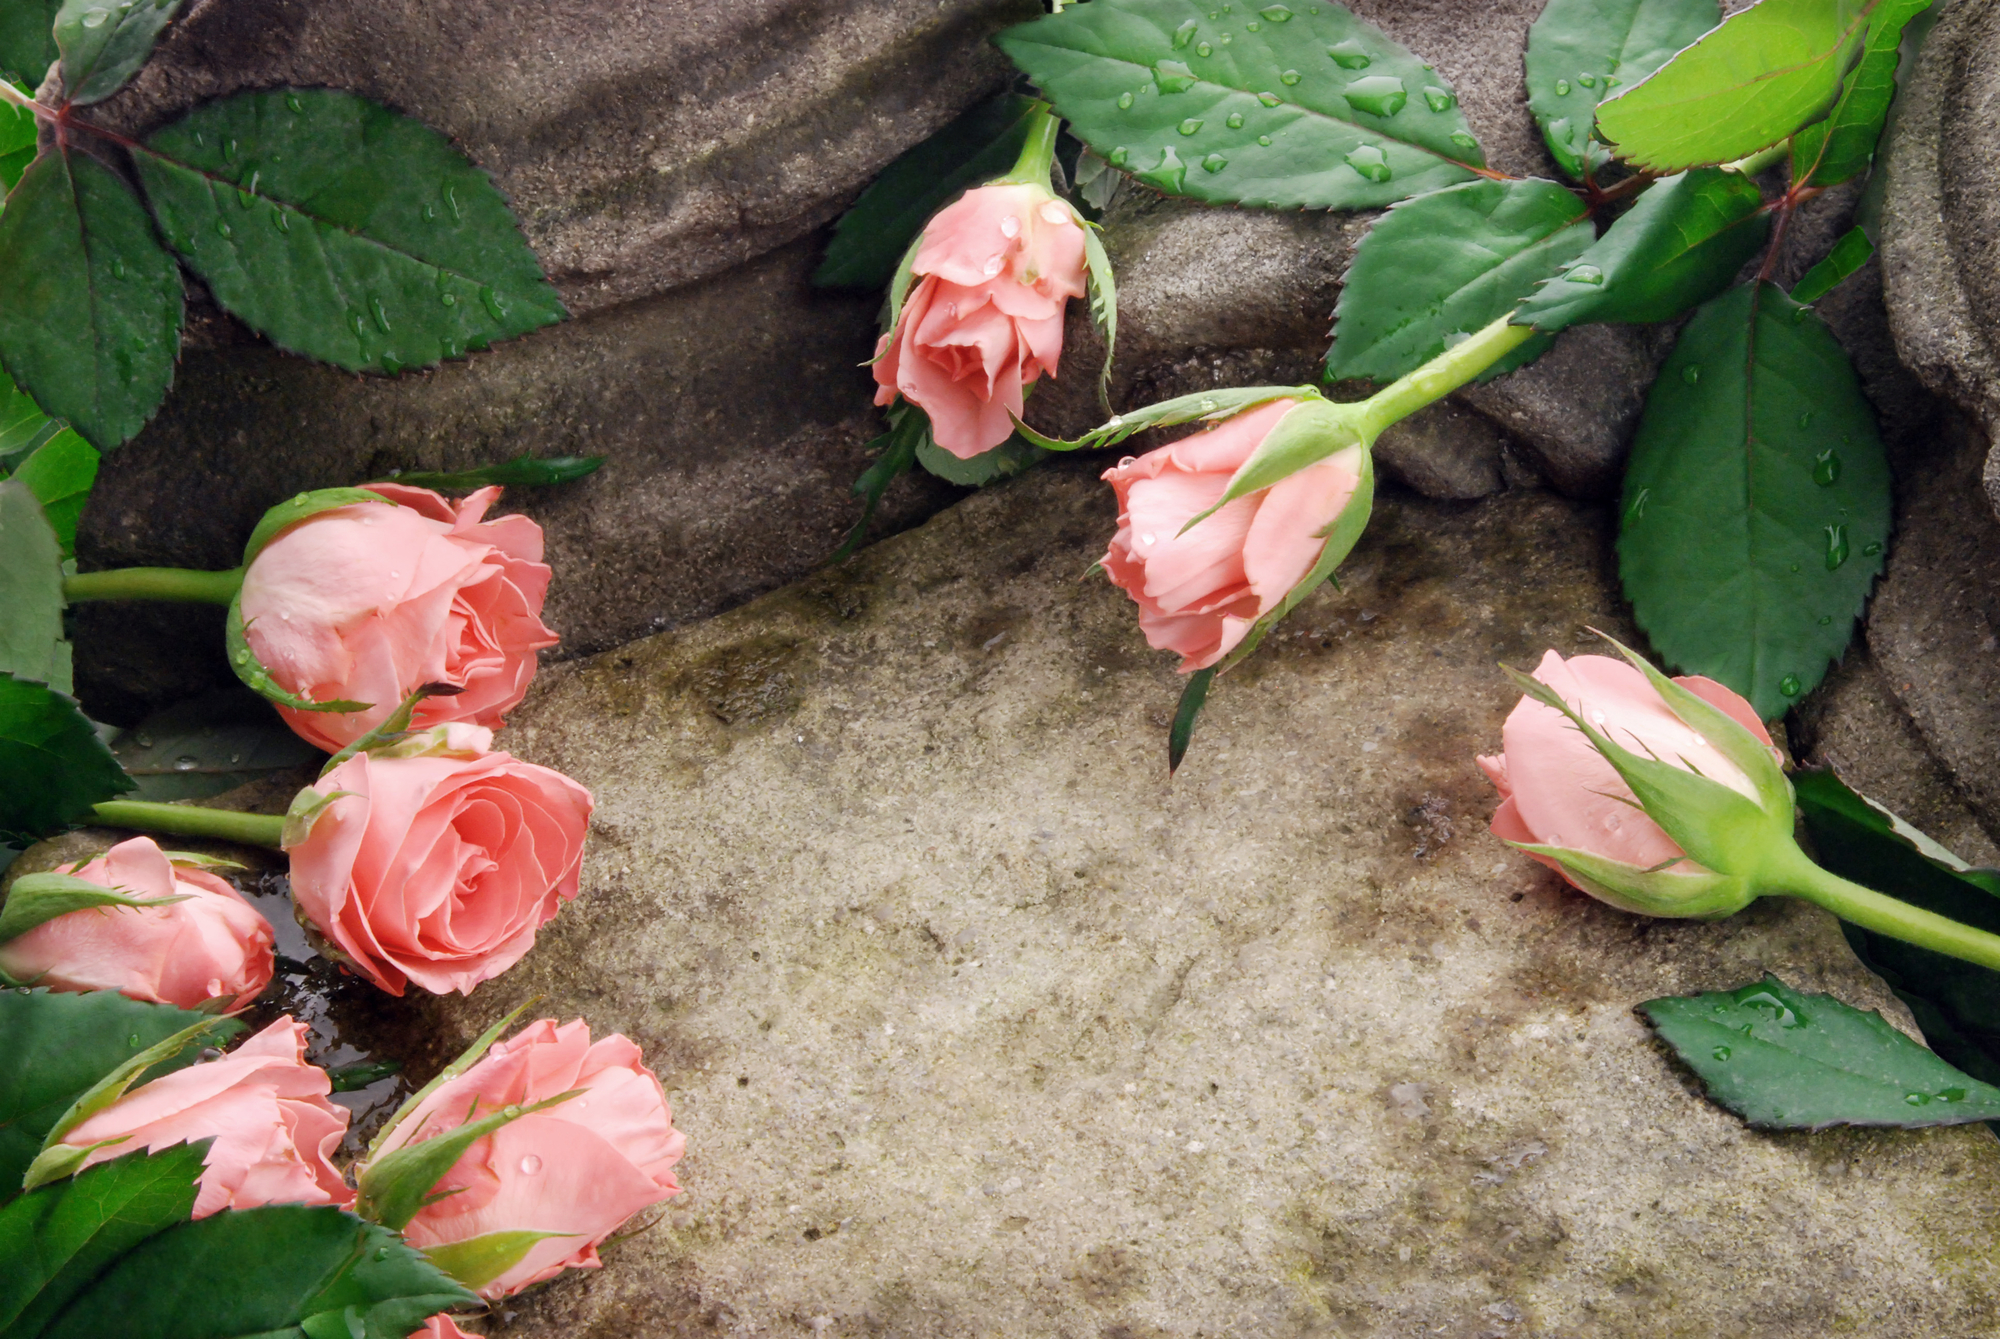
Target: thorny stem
x=9, y=93
x=187, y=820
x=154, y=583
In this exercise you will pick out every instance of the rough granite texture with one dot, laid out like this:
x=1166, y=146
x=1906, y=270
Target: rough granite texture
x=978, y=1026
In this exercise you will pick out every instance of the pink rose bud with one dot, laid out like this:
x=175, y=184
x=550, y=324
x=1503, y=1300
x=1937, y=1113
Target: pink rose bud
x=262, y=1104
x=437, y=868
x=994, y=273
x=576, y=1170
x=1573, y=807
x=212, y=945
x=365, y=603
x=1201, y=593
x=441, y=1326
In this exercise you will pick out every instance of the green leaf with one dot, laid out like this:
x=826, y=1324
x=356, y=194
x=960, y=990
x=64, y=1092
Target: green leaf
x=27, y=40
x=60, y=474
x=1004, y=461
x=53, y=766
x=1285, y=105
x=282, y=1270
x=1849, y=254
x=1193, y=698
x=54, y=1047
x=1435, y=269
x=103, y=44
x=23, y=426
x=1764, y=73
x=90, y=305
x=1680, y=245
x=1756, y=499
x=521, y=471
x=31, y=594
x=1829, y=152
x=872, y=235
x=206, y=745
x=342, y=230
x=56, y=1240
x=1956, y=1003
x=477, y=1261
x=898, y=452
x=1784, y=1060
x=1579, y=50
x=34, y=899
x=18, y=134
x=1103, y=288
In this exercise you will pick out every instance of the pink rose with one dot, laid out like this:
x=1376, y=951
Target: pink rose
x=264, y=1106
x=581, y=1167
x=441, y=1326
x=367, y=603
x=439, y=868
x=985, y=319
x=1201, y=592
x=212, y=946
x=1558, y=790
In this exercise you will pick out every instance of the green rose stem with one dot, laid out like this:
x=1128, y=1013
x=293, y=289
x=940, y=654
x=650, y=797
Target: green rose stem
x=1439, y=377
x=187, y=820
x=154, y=583
x=1038, y=155
x=1791, y=873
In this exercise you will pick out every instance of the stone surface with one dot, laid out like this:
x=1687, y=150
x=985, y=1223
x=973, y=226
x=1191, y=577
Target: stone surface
x=979, y=1026
x=644, y=146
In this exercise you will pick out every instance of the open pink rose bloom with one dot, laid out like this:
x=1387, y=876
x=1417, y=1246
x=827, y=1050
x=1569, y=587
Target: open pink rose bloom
x=212, y=946
x=1201, y=592
x=439, y=869
x=1557, y=790
x=262, y=1104
x=985, y=319
x=580, y=1168
x=366, y=603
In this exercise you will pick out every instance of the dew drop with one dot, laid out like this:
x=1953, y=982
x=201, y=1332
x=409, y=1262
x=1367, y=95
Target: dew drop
x=1125, y=101
x=117, y=268
x=1227, y=38
x=1951, y=1095
x=96, y=18
x=429, y=212
x=1377, y=95
x=1870, y=550
x=186, y=763
x=1691, y=373
x=1253, y=27
x=380, y=313
x=1010, y=226
x=1204, y=49
x=1276, y=13
x=1189, y=126
x=1148, y=540
x=354, y=320
x=497, y=309
x=992, y=267
x=1720, y=1053
x=1805, y=419
x=1638, y=507
x=1055, y=211
x=1289, y=77
x=1799, y=315
x=293, y=103
x=223, y=229
x=530, y=1165
x=1235, y=121
x=1264, y=140
x=132, y=1040
x=1171, y=76
x=1562, y=88
x=1170, y=174
x=1370, y=162
x=1917, y=1099
x=229, y=150
x=1826, y=468
x=1587, y=80
x=1797, y=568
x=1825, y=620
x=1790, y=685
x=451, y=202
x=1215, y=162
x=1120, y=155
x=1836, y=547
x=1269, y=99
x=381, y=1253
x=280, y=221
x=1185, y=33
x=1349, y=56
x=1438, y=99
x=1584, y=274
x=1464, y=143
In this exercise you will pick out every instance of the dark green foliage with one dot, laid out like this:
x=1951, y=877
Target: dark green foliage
x=1193, y=698
x=1849, y=254
x=104, y=42
x=521, y=471
x=59, y=474
x=898, y=447
x=207, y=745
x=1756, y=500
x=27, y=39
x=342, y=230
x=53, y=767
x=31, y=594
x=1579, y=50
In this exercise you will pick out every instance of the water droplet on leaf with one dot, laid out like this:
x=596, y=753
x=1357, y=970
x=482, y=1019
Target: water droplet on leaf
x=1377, y=95
x=429, y=212
x=117, y=268
x=1170, y=174
x=1826, y=468
x=1825, y=620
x=497, y=309
x=1438, y=99
x=1790, y=685
x=292, y=102
x=1253, y=26
x=1119, y=156
x=1562, y=88
x=1185, y=33
x=96, y=18
x=448, y=299
x=1870, y=550
x=1720, y=1053
x=132, y=1040
x=1638, y=507
x=1215, y=162
x=1836, y=547
x=1189, y=126
x=1289, y=77
x=1917, y=1099
x=1170, y=76
x=451, y=202
x=229, y=150
x=1370, y=162
x=1125, y=101
x=1584, y=274
x=1349, y=56
x=1587, y=80
x=1264, y=140
x=186, y=763
x=380, y=313
x=1235, y=121
x=1269, y=99
x=1204, y=49
x=1464, y=143
x=1691, y=373
x=1805, y=419
x=1276, y=13
x=222, y=228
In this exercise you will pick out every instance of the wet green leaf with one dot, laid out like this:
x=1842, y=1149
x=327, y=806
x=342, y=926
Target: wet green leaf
x=104, y=42
x=1956, y=1003
x=1849, y=254
x=56, y=1240
x=60, y=474
x=1784, y=1060
x=1194, y=696
x=53, y=767
x=17, y=142
x=342, y=230
x=282, y=1270
x=1831, y=151
x=1750, y=83
x=521, y=472
x=23, y=425
x=1678, y=246
x=1437, y=268
x=1579, y=51
x=1004, y=461
x=1756, y=501
x=90, y=305
x=207, y=745
x=31, y=595
x=54, y=1046
x=27, y=40
x=871, y=236
x=1287, y=105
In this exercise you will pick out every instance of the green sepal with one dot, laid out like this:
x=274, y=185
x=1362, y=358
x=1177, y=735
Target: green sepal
x=1719, y=828
x=1204, y=406
x=477, y=1261
x=899, y=293
x=295, y=509
x=252, y=672
x=1193, y=698
x=898, y=448
x=1849, y=254
x=35, y=899
x=1303, y=437
x=523, y=471
x=57, y=1160
x=467, y=1058
x=394, y=729
x=395, y=1187
x=1004, y=461
x=306, y=809
x=200, y=861
x=1705, y=896
x=1103, y=304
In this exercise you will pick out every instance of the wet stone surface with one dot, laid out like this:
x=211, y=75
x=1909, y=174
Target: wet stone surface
x=978, y=1026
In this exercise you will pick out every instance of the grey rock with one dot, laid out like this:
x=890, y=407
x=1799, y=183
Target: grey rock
x=643, y=146
x=1445, y=451
x=980, y=1026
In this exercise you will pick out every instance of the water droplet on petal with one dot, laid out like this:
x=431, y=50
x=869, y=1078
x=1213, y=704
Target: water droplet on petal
x=1055, y=211
x=1010, y=226
x=1562, y=88
x=1836, y=547
x=992, y=266
x=1349, y=56
x=530, y=1165
x=1185, y=33
x=1377, y=95
x=1691, y=373
x=1215, y=162
x=1289, y=77
x=1438, y=99
x=1189, y=126
x=1584, y=274
x=1148, y=540
x=1125, y=101
x=1269, y=99
x=1790, y=685
x=1370, y=162
x=1235, y=121
x=1171, y=76
x=1826, y=468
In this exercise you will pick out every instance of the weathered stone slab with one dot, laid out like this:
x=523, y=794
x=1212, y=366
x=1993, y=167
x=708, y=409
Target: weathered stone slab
x=979, y=1026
